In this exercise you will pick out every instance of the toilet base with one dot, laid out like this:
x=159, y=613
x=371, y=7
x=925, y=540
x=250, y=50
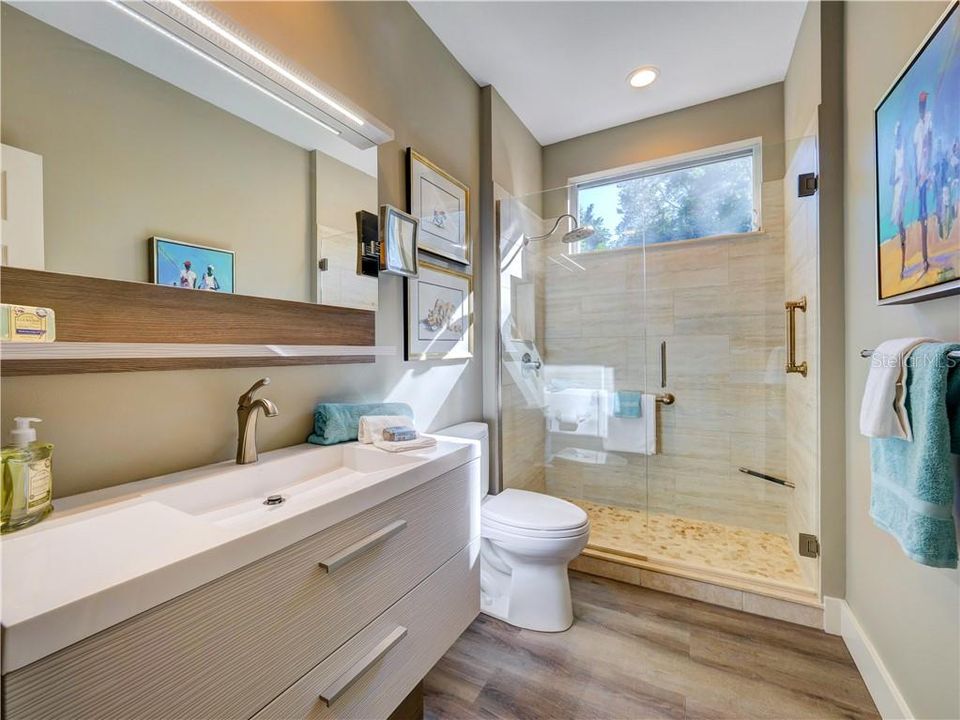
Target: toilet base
x=530, y=596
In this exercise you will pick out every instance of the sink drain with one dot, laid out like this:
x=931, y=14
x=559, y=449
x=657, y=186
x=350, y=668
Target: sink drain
x=274, y=500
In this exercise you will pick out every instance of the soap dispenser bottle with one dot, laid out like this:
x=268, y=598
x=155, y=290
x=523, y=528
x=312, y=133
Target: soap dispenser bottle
x=27, y=491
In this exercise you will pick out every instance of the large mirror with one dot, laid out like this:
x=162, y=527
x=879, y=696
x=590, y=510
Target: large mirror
x=130, y=155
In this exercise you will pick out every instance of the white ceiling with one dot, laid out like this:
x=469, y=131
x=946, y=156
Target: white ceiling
x=562, y=66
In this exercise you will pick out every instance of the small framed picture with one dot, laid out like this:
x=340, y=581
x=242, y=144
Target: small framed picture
x=398, y=242
x=438, y=308
x=191, y=267
x=441, y=204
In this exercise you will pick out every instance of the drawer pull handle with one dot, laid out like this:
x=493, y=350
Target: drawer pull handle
x=355, y=671
x=361, y=546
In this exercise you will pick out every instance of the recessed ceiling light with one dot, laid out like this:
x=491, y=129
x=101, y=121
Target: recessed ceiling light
x=643, y=76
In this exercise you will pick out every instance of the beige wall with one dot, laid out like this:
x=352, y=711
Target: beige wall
x=910, y=612
x=801, y=101
x=110, y=429
x=127, y=156
x=755, y=113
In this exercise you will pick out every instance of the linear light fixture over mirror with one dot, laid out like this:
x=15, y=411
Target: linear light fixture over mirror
x=154, y=26
x=211, y=32
x=117, y=26
x=251, y=52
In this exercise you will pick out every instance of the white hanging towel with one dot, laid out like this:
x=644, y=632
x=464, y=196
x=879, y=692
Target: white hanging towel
x=633, y=435
x=882, y=412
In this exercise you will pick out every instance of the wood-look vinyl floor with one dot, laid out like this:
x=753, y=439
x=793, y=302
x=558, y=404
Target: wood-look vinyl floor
x=634, y=653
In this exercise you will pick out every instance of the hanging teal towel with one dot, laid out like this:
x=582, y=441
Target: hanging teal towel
x=914, y=482
x=339, y=422
x=626, y=403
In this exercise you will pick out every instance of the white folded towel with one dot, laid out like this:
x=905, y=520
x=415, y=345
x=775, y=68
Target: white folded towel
x=421, y=443
x=633, y=435
x=370, y=428
x=882, y=412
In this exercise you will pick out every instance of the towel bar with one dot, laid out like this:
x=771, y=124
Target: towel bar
x=955, y=354
x=666, y=398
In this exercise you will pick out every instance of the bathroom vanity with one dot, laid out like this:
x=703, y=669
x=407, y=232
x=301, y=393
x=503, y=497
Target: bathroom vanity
x=200, y=594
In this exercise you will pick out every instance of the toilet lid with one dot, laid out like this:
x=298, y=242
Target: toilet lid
x=533, y=511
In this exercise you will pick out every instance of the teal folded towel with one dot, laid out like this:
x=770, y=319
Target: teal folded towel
x=338, y=422
x=626, y=404
x=914, y=482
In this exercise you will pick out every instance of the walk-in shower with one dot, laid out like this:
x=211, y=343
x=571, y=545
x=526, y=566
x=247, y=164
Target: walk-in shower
x=645, y=363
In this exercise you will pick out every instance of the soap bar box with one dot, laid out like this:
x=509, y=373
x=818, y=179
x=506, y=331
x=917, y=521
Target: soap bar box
x=399, y=434
x=25, y=323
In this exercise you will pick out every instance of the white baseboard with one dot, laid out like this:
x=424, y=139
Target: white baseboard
x=832, y=614
x=838, y=619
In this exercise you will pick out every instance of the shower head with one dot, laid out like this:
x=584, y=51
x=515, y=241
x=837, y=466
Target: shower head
x=576, y=233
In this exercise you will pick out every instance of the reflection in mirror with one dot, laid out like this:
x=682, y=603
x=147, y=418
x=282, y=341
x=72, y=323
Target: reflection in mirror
x=100, y=155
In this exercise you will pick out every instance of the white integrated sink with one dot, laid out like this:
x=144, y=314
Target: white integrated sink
x=104, y=556
x=229, y=495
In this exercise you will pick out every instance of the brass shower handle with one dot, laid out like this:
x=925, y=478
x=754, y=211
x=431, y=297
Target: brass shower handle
x=791, y=307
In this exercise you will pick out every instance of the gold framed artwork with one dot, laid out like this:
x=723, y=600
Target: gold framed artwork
x=441, y=204
x=438, y=313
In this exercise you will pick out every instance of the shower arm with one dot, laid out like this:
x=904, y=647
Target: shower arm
x=554, y=228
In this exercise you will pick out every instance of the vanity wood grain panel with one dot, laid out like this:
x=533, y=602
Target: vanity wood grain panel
x=98, y=310
x=433, y=615
x=230, y=647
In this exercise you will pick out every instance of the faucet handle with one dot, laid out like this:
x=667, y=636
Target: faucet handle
x=247, y=397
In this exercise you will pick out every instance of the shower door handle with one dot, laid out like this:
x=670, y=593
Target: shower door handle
x=791, y=307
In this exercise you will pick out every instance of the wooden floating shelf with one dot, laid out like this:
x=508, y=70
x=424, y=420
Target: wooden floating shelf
x=119, y=326
x=81, y=357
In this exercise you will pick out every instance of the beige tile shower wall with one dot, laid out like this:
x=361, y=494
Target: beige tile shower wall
x=719, y=305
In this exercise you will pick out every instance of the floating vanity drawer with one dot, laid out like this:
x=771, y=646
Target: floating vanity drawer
x=227, y=649
x=371, y=674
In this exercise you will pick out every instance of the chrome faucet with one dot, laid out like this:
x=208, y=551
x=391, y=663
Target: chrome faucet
x=247, y=421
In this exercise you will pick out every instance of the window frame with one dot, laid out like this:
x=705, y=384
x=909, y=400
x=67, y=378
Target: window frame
x=752, y=147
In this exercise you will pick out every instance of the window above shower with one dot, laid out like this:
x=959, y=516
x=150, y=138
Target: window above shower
x=708, y=193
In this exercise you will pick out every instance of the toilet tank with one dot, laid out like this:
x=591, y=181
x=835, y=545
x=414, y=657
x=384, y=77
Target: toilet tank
x=474, y=431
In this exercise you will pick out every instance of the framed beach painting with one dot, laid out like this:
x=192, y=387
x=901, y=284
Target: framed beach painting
x=190, y=266
x=441, y=204
x=439, y=315
x=917, y=125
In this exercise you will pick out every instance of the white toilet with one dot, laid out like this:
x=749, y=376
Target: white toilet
x=527, y=541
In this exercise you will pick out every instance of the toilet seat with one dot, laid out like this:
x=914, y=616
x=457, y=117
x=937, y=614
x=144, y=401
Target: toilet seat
x=534, y=514
x=492, y=528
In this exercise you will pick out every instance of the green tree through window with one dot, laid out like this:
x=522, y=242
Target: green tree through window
x=715, y=197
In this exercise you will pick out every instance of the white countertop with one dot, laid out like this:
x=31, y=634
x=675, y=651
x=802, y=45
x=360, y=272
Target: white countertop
x=105, y=556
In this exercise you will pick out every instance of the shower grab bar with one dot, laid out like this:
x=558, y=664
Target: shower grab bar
x=953, y=354
x=768, y=478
